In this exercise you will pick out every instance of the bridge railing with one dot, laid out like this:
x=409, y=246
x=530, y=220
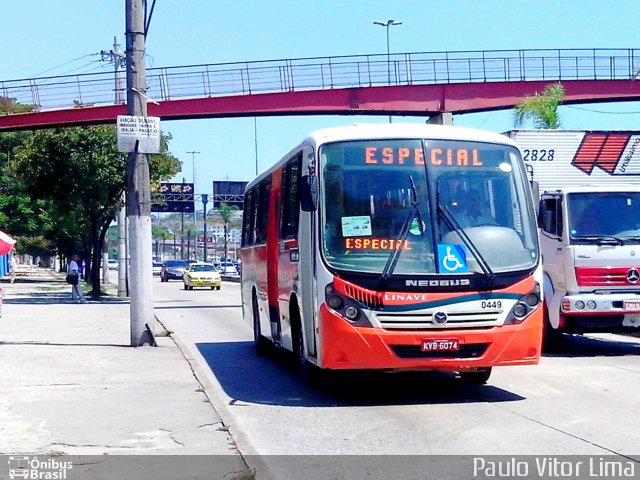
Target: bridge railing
x=290, y=75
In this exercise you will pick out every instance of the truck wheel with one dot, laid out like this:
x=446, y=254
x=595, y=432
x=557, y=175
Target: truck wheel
x=478, y=377
x=551, y=337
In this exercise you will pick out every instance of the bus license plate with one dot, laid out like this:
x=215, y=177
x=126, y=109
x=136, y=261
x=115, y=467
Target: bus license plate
x=632, y=305
x=440, y=345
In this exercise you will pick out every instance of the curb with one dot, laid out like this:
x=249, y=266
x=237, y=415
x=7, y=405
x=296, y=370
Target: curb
x=213, y=390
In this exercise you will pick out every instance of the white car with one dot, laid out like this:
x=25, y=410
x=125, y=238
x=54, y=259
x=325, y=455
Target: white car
x=228, y=269
x=156, y=268
x=113, y=264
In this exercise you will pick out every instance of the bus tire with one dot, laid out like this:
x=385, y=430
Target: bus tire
x=477, y=377
x=260, y=343
x=310, y=374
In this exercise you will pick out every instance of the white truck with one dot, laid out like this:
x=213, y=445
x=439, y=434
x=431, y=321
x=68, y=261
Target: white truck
x=589, y=225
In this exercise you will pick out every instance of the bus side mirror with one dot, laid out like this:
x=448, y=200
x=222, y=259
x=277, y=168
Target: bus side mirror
x=309, y=193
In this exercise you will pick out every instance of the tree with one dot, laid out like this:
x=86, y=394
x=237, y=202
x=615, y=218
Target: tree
x=191, y=232
x=11, y=106
x=80, y=173
x=160, y=234
x=542, y=109
x=27, y=219
x=226, y=213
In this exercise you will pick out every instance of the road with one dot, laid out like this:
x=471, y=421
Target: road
x=581, y=400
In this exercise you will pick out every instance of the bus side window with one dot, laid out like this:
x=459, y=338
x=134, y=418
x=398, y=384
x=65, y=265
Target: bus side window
x=262, y=211
x=290, y=208
x=248, y=219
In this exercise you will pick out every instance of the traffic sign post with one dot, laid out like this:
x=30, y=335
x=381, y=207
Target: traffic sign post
x=144, y=130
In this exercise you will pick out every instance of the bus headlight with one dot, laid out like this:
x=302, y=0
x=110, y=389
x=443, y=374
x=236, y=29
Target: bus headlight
x=335, y=301
x=351, y=313
x=524, y=306
x=345, y=306
x=520, y=310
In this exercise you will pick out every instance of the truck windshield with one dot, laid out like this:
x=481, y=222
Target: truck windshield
x=597, y=216
x=374, y=191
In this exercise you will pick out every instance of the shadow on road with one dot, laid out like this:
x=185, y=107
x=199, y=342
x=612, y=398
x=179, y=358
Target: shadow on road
x=70, y=344
x=183, y=306
x=590, y=346
x=246, y=377
x=50, y=298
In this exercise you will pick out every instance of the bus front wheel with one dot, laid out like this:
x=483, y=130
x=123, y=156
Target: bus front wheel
x=260, y=343
x=310, y=374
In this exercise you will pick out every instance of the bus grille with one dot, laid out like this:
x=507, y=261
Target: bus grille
x=469, y=350
x=367, y=298
x=423, y=320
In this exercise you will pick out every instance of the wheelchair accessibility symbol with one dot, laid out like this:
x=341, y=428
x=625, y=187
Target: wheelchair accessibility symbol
x=452, y=258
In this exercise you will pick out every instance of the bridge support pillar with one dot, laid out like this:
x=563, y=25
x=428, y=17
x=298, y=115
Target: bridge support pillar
x=444, y=118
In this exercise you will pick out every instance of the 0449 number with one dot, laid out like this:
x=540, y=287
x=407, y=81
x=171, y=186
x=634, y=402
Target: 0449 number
x=492, y=304
x=535, y=155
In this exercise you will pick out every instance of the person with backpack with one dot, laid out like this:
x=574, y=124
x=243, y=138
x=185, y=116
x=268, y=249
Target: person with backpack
x=73, y=277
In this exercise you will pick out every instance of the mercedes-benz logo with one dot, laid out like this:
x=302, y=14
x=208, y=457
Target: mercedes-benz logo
x=439, y=318
x=633, y=275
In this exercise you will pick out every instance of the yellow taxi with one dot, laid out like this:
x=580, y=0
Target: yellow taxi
x=201, y=274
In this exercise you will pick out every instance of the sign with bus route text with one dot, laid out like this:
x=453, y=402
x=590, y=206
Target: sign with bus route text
x=143, y=130
x=174, y=197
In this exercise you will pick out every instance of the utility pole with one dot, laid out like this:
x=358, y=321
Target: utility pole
x=138, y=185
x=195, y=226
x=119, y=60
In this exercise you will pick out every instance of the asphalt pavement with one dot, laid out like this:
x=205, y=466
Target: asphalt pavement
x=72, y=385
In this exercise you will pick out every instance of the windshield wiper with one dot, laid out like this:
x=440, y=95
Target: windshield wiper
x=390, y=266
x=453, y=224
x=602, y=239
x=633, y=238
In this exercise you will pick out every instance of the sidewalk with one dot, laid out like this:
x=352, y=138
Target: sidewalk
x=71, y=385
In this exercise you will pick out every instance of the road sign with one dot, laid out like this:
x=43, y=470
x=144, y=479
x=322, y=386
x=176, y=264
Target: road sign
x=145, y=130
x=231, y=193
x=175, y=197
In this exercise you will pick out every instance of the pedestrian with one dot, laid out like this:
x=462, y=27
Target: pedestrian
x=14, y=267
x=77, y=295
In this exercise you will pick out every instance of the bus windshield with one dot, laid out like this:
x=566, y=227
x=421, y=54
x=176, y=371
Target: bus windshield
x=437, y=206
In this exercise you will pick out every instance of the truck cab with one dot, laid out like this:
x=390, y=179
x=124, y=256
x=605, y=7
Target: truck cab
x=590, y=246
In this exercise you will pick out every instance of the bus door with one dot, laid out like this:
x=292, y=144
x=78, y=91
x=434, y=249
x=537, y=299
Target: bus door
x=273, y=224
x=288, y=248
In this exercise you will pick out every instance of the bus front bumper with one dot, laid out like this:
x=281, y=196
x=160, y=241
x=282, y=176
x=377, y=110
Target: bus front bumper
x=346, y=346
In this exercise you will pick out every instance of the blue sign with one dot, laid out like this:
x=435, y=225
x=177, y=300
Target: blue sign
x=452, y=258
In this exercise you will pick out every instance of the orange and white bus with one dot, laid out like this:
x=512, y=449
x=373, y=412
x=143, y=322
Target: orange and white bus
x=394, y=247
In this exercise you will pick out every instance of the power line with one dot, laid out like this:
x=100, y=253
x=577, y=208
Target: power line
x=86, y=68
x=601, y=111
x=65, y=63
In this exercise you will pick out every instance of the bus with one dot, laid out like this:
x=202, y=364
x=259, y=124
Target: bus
x=395, y=247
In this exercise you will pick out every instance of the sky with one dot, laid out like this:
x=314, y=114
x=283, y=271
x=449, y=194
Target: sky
x=56, y=37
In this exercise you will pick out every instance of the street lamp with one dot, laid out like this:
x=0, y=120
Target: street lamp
x=205, y=199
x=195, y=227
x=387, y=24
